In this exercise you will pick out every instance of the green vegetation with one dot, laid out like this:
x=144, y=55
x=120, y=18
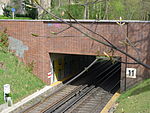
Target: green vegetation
x=31, y=10
x=135, y=100
x=15, y=73
x=21, y=18
x=22, y=11
x=64, y=10
x=101, y=9
x=82, y=9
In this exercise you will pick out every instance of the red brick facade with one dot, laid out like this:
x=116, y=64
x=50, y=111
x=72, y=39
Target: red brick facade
x=72, y=41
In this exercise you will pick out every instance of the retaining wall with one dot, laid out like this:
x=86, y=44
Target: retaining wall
x=30, y=48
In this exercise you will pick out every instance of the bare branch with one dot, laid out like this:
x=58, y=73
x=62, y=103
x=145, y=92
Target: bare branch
x=108, y=44
x=62, y=30
x=133, y=46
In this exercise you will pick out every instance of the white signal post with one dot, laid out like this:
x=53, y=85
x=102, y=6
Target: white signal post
x=6, y=91
x=13, y=13
x=50, y=76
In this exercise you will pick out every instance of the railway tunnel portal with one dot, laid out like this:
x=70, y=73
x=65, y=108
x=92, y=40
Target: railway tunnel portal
x=103, y=70
x=36, y=41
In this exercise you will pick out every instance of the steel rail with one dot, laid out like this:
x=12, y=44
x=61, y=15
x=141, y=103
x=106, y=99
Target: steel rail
x=65, y=99
x=115, y=71
x=62, y=87
x=59, y=108
x=80, y=102
x=71, y=104
x=72, y=101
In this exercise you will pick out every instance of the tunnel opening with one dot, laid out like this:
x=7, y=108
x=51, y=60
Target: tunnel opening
x=105, y=73
x=66, y=66
x=93, y=82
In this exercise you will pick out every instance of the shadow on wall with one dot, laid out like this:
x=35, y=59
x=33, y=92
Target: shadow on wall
x=147, y=58
x=140, y=37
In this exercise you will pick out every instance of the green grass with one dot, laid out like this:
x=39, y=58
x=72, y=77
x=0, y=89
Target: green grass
x=15, y=73
x=135, y=100
x=21, y=18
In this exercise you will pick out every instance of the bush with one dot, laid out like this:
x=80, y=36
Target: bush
x=7, y=11
x=73, y=9
x=21, y=15
x=32, y=12
x=3, y=39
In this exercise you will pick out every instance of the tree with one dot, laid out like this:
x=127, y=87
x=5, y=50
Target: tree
x=100, y=9
x=31, y=9
x=105, y=42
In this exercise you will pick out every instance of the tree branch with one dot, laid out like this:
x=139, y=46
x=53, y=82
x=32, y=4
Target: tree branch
x=108, y=44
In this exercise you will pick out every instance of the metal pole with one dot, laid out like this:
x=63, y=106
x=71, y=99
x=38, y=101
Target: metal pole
x=13, y=15
x=126, y=60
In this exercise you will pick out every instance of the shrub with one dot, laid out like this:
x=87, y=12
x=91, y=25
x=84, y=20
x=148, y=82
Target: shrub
x=3, y=41
x=31, y=11
x=7, y=11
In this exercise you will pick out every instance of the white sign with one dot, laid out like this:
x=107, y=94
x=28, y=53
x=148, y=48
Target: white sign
x=131, y=72
x=7, y=88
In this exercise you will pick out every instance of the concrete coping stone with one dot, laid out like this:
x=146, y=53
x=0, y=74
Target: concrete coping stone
x=79, y=20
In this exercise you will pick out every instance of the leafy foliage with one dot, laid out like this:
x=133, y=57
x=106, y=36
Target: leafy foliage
x=7, y=11
x=3, y=41
x=113, y=9
x=129, y=9
x=117, y=9
x=64, y=10
x=13, y=4
x=31, y=10
x=97, y=11
x=84, y=9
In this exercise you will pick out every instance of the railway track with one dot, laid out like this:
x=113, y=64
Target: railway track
x=86, y=94
x=91, y=103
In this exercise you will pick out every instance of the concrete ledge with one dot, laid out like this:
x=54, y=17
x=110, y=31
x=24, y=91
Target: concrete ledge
x=34, y=98
x=31, y=99
x=3, y=106
x=79, y=20
x=20, y=105
x=27, y=99
x=110, y=103
x=61, y=81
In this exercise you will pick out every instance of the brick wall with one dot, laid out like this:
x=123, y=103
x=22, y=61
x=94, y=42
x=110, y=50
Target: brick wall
x=72, y=41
